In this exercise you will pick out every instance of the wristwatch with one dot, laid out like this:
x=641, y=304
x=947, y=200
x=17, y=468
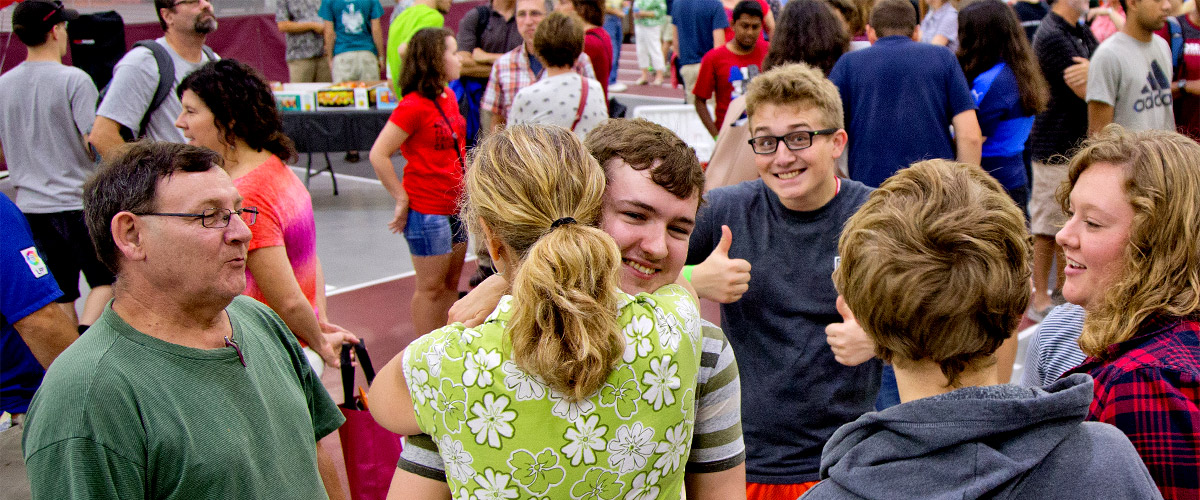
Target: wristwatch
x=1182, y=85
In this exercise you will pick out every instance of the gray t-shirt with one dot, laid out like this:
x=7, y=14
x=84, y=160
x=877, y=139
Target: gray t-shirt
x=1135, y=79
x=46, y=157
x=132, y=88
x=301, y=45
x=554, y=100
x=794, y=394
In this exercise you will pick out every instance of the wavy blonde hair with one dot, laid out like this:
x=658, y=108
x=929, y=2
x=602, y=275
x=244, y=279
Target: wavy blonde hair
x=1161, y=273
x=936, y=267
x=564, y=325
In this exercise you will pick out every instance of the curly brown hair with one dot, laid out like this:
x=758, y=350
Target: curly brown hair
x=242, y=105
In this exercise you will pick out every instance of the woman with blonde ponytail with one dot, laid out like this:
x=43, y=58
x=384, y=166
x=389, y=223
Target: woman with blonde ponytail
x=1132, y=246
x=570, y=386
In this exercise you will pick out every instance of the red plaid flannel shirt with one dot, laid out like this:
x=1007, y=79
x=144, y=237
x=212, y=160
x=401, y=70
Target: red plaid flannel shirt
x=1151, y=391
x=511, y=72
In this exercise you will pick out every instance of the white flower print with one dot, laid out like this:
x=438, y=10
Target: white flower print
x=645, y=487
x=567, y=409
x=691, y=318
x=631, y=448
x=637, y=337
x=672, y=449
x=504, y=306
x=458, y=461
x=494, y=486
x=470, y=334
x=528, y=387
x=491, y=420
x=419, y=382
x=584, y=441
x=669, y=329
x=433, y=358
x=479, y=367
x=662, y=380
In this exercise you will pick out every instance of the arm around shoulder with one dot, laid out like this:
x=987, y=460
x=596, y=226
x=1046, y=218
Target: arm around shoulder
x=391, y=403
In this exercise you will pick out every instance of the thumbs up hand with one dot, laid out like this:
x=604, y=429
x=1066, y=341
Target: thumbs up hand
x=850, y=344
x=720, y=278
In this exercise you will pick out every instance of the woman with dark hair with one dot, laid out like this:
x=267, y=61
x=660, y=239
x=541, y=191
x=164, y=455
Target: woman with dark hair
x=228, y=108
x=1008, y=87
x=428, y=129
x=596, y=42
x=808, y=32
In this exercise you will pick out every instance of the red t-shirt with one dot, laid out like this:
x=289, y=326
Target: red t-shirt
x=434, y=175
x=1187, y=106
x=727, y=73
x=598, y=46
x=729, y=14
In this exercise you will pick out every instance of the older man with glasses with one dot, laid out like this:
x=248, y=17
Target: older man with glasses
x=139, y=102
x=183, y=388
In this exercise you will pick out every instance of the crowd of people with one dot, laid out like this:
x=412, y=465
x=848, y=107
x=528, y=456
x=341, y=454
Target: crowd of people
x=895, y=184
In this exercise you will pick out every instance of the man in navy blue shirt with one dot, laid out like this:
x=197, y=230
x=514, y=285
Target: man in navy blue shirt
x=696, y=24
x=901, y=97
x=33, y=331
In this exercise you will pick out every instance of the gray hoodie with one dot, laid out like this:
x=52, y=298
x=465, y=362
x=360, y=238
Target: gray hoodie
x=1001, y=441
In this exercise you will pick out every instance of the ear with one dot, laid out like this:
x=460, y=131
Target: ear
x=871, y=36
x=916, y=36
x=128, y=233
x=495, y=247
x=840, y=138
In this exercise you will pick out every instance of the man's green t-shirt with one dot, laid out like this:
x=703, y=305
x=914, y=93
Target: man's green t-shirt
x=404, y=26
x=122, y=414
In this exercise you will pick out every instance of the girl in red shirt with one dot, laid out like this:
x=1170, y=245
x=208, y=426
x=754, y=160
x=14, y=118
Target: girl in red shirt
x=428, y=130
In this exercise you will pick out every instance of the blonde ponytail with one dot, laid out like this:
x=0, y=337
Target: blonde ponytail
x=524, y=183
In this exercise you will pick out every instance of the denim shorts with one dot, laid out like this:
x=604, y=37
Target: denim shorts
x=430, y=235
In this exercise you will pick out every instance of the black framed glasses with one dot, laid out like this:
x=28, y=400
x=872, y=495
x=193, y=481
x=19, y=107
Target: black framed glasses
x=184, y=2
x=215, y=218
x=795, y=141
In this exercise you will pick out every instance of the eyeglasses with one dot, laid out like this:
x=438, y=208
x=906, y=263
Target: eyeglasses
x=214, y=218
x=184, y=2
x=795, y=141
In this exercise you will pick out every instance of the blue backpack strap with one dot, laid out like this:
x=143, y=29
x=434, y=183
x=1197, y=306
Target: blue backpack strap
x=1176, y=31
x=166, y=81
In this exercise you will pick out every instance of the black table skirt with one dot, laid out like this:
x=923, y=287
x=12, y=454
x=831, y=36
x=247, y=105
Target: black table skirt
x=324, y=131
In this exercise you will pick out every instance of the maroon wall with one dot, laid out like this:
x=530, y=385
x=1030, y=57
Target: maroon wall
x=252, y=39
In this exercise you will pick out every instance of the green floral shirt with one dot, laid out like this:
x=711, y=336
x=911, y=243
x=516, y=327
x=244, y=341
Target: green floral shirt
x=504, y=434
x=658, y=7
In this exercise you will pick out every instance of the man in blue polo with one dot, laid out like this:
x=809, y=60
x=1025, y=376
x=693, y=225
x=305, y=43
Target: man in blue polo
x=901, y=97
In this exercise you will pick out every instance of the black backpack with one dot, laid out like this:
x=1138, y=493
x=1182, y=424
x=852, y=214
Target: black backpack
x=97, y=43
x=166, y=84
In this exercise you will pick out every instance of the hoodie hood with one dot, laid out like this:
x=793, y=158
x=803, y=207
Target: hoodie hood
x=969, y=443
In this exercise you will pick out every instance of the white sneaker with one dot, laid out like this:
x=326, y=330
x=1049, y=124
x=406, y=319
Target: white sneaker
x=618, y=87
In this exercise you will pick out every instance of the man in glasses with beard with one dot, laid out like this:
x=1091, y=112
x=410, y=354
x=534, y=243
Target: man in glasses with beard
x=132, y=100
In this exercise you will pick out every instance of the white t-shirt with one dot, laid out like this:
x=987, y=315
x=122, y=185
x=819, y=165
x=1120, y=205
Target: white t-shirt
x=135, y=78
x=1135, y=79
x=554, y=100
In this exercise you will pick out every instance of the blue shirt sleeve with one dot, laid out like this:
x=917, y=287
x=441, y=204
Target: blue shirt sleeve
x=26, y=284
x=719, y=20
x=960, y=92
x=376, y=11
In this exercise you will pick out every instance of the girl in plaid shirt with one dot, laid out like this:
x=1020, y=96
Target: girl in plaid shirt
x=1132, y=245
